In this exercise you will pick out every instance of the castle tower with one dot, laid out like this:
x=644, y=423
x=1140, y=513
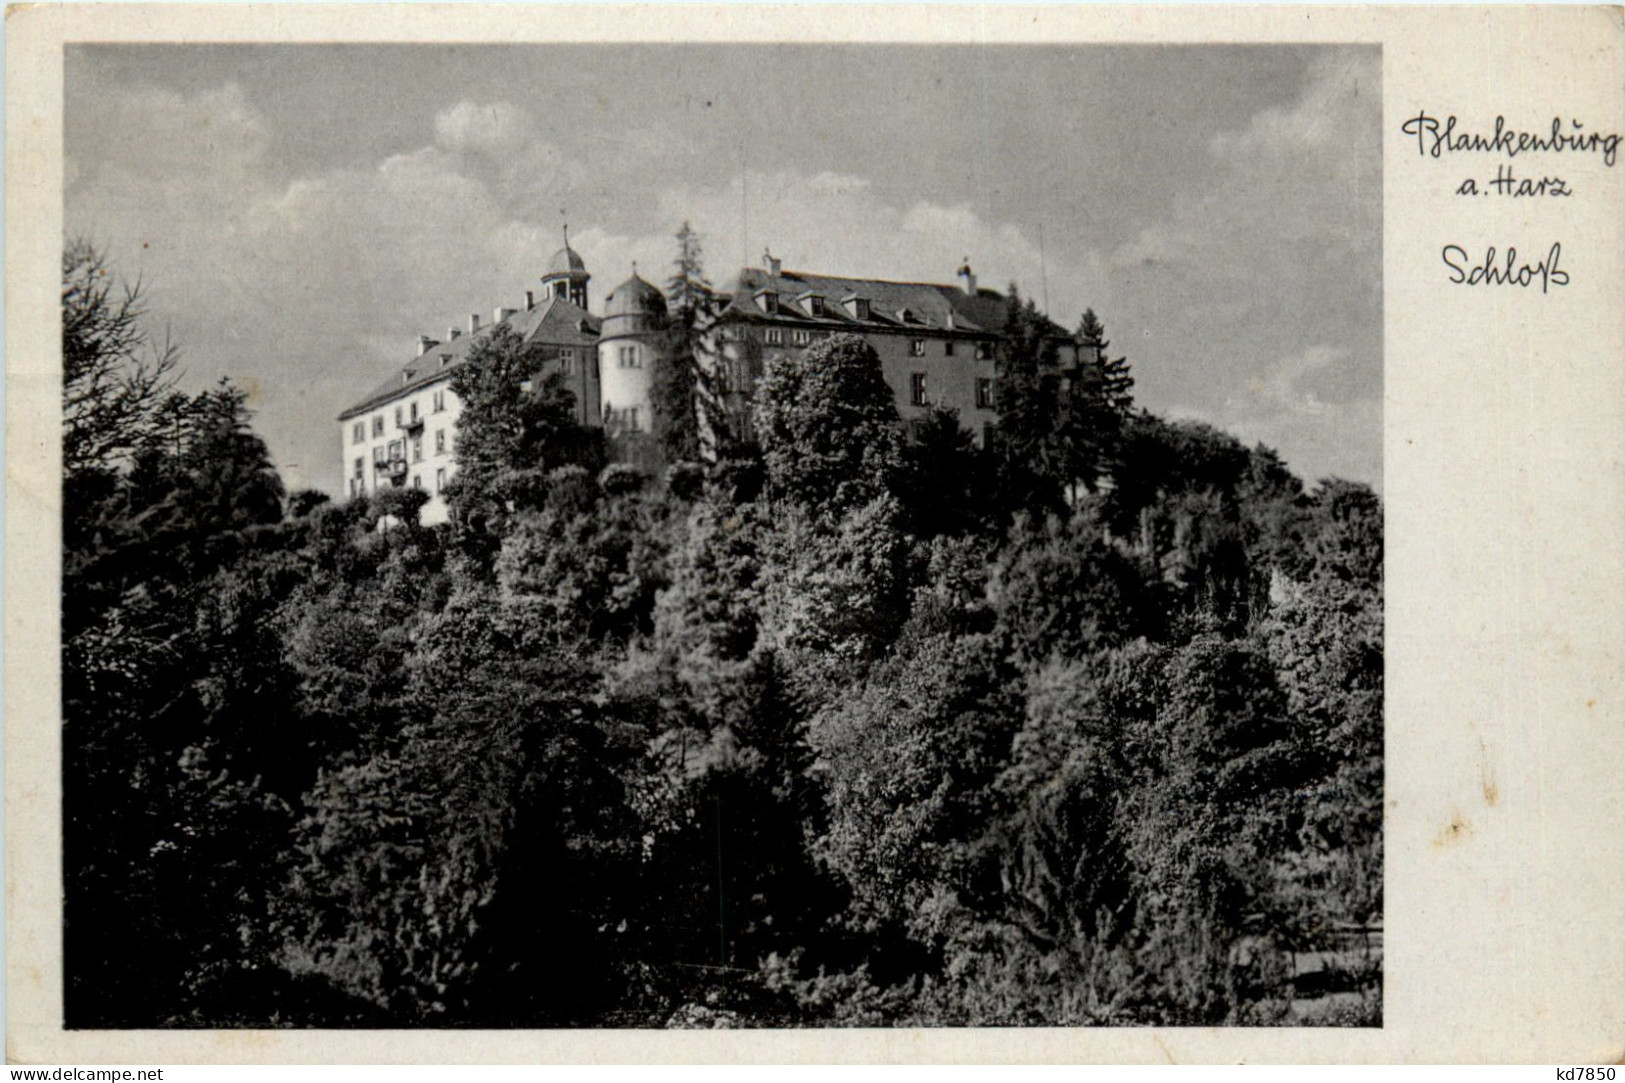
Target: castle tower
x=567, y=275
x=632, y=338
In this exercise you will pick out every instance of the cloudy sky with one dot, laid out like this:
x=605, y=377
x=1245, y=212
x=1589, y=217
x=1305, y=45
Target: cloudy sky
x=300, y=213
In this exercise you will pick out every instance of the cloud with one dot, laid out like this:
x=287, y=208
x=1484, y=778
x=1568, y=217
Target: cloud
x=1286, y=177
x=488, y=127
x=844, y=225
x=1265, y=283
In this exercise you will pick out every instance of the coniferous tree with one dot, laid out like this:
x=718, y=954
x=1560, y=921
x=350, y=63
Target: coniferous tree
x=1111, y=376
x=675, y=380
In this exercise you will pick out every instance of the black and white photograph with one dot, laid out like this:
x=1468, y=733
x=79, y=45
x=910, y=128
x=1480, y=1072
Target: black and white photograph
x=722, y=535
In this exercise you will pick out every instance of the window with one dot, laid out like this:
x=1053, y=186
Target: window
x=567, y=362
x=860, y=308
x=440, y=441
x=775, y=336
x=916, y=389
x=378, y=424
x=983, y=351
x=414, y=412
x=769, y=301
x=815, y=305
x=379, y=455
x=417, y=481
x=916, y=347
x=984, y=393
x=357, y=486
x=440, y=480
x=358, y=432
x=629, y=357
x=417, y=448
x=398, y=413
x=948, y=348
x=397, y=451
x=360, y=466
x=632, y=419
x=801, y=338
x=439, y=401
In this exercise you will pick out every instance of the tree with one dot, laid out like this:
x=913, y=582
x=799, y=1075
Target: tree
x=674, y=381
x=828, y=425
x=688, y=291
x=1033, y=465
x=909, y=760
x=115, y=375
x=513, y=422
x=1114, y=385
x=230, y=480
x=948, y=486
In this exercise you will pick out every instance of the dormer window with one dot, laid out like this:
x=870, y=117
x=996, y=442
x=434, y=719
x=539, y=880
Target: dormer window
x=856, y=307
x=406, y=377
x=769, y=302
x=905, y=315
x=445, y=359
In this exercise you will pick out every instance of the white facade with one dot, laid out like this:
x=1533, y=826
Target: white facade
x=409, y=438
x=623, y=379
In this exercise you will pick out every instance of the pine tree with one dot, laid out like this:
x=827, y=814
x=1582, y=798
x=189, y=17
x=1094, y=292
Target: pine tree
x=676, y=378
x=689, y=292
x=1116, y=386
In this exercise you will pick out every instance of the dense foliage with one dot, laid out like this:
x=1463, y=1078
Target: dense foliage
x=1085, y=728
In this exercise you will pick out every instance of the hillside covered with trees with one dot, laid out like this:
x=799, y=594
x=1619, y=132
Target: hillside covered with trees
x=854, y=727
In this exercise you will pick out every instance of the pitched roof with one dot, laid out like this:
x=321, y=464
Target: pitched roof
x=931, y=306
x=554, y=321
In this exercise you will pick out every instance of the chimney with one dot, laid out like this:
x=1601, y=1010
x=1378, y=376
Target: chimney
x=453, y=332
x=970, y=279
x=772, y=264
x=425, y=344
x=473, y=322
x=503, y=313
x=530, y=300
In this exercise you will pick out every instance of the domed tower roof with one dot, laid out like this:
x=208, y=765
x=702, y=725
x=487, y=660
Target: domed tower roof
x=635, y=297
x=566, y=261
x=566, y=275
x=634, y=307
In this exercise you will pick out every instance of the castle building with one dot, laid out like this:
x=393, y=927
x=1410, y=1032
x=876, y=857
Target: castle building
x=936, y=345
x=403, y=433
x=936, y=342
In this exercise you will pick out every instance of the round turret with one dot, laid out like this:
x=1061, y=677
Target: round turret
x=631, y=339
x=636, y=302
